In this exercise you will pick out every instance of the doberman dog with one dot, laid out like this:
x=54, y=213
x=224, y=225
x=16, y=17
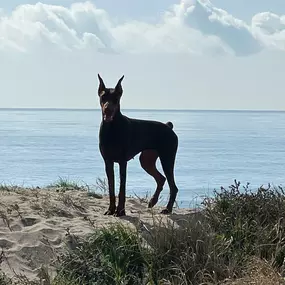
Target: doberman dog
x=122, y=138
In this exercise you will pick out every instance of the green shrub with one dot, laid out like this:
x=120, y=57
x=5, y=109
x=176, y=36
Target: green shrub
x=190, y=254
x=253, y=221
x=65, y=183
x=111, y=255
x=4, y=280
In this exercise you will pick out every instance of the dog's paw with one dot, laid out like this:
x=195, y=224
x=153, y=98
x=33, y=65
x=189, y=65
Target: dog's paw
x=152, y=202
x=110, y=212
x=165, y=211
x=120, y=213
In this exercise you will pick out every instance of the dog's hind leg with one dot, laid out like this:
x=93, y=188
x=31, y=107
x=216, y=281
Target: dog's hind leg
x=148, y=160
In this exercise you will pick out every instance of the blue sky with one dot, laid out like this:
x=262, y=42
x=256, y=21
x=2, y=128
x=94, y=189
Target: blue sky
x=243, y=9
x=188, y=54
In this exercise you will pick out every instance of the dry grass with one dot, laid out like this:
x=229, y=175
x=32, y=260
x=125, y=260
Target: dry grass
x=258, y=272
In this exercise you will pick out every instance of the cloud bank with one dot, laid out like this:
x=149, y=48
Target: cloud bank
x=50, y=55
x=195, y=27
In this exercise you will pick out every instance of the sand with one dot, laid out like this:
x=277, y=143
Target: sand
x=36, y=224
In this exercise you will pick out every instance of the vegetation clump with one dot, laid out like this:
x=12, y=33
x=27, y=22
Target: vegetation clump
x=217, y=243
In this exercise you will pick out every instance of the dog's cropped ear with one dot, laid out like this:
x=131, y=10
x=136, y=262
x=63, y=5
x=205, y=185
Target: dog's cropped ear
x=102, y=86
x=118, y=87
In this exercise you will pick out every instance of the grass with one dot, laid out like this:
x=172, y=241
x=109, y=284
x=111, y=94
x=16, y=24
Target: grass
x=66, y=184
x=7, y=187
x=237, y=238
x=110, y=256
x=253, y=222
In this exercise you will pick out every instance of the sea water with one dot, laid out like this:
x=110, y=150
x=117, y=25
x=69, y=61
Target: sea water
x=215, y=147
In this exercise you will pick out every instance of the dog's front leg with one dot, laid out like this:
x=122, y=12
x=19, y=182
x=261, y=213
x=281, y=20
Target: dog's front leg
x=122, y=194
x=109, y=168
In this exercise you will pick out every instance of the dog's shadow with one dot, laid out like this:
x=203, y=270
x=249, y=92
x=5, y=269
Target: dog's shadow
x=183, y=220
x=156, y=225
x=131, y=219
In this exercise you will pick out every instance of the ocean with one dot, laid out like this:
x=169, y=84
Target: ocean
x=215, y=147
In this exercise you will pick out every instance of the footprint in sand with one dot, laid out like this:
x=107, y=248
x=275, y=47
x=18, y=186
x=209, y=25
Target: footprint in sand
x=28, y=222
x=6, y=244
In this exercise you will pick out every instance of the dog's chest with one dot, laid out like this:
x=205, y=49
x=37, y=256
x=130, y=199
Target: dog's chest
x=113, y=143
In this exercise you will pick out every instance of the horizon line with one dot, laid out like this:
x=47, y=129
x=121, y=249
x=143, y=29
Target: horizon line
x=135, y=109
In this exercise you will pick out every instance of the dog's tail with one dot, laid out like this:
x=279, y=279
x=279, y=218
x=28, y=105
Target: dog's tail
x=170, y=125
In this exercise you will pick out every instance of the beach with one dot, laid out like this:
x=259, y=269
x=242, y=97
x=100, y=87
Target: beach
x=37, y=224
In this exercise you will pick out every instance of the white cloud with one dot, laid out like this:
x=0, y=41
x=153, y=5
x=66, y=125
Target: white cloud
x=270, y=29
x=57, y=52
x=189, y=27
x=235, y=33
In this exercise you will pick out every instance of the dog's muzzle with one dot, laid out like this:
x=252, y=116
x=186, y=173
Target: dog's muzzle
x=108, y=112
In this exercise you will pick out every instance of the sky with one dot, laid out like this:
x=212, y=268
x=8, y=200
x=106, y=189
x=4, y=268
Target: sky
x=188, y=54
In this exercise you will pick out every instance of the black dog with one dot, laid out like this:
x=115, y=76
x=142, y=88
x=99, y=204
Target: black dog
x=121, y=138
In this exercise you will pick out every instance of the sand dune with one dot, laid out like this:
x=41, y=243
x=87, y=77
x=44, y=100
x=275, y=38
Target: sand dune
x=36, y=224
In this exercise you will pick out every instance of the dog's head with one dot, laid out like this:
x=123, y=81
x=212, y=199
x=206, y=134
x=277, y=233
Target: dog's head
x=109, y=99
